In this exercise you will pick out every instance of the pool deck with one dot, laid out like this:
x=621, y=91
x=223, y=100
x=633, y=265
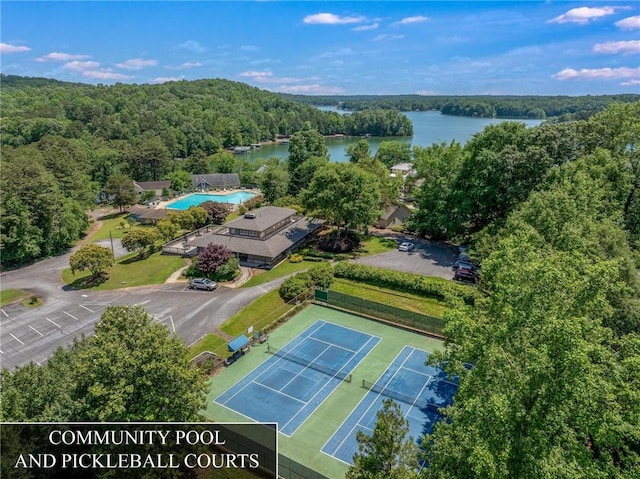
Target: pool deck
x=164, y=204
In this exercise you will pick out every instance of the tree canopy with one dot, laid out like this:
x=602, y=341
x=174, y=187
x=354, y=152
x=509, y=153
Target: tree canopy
x=132, y=369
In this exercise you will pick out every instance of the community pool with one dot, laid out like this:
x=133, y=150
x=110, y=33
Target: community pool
x=196, y=199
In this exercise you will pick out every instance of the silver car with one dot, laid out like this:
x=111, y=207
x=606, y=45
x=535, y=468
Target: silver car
x=203, y=283
x=406, y=246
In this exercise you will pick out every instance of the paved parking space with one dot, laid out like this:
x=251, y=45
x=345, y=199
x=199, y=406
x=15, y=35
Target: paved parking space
x=428, y=258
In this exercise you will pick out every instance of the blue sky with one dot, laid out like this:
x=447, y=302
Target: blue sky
x=388, y=47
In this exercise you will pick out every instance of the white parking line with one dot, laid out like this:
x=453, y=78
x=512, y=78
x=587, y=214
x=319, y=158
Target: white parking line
x=172, y=325
x=1, y=353
x=71, y=315
x=12, y=335
x=54, y=323
x=36, y=330
x=90, y=310
x=4, y=312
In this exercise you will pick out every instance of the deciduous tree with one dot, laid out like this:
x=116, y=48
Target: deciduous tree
x=95, y=258
x=387, y=453
x=137, y=239
x=121, y=188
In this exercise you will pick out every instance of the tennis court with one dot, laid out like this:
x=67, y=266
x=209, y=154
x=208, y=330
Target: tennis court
x=300, y=376
x=419, y=390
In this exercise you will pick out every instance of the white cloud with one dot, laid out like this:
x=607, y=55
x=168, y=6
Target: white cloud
x=105, y=74
x=61, y=57
x=410, y=20
x=192, y=46
x=331, y=19
x=364, y=28
x=342, y=52
x=630, y=23
x=254, y=74
x=597, y=73
x=632, y=46
x=631, y=83
x=137, y=64
x=426, y=92
x=185, y=66
x=313, y=89
x=6, y=48
x=584, y=15
x=80, y=66
x=249, y=48
x=387, y=36
x=166, y=79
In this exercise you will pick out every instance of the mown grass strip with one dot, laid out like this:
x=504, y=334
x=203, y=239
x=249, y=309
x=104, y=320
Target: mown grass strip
x=211, y=342
x=408, y=301
x=279, y=271
x=9, y=296
x=130, y=271
x=258, y=314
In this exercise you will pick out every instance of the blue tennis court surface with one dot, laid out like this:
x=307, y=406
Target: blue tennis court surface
x=292, y=383
x=418, y=389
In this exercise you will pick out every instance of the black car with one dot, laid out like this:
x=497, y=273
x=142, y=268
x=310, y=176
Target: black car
x=203, y=283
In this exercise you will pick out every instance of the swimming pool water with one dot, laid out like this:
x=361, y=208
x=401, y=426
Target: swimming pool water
x=197, y=198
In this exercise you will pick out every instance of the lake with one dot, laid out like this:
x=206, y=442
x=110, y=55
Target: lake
x=428, y=127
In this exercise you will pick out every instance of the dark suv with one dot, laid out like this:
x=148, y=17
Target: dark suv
x=466, y=275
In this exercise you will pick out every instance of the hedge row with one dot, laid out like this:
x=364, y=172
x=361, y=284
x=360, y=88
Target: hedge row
x=411, y=283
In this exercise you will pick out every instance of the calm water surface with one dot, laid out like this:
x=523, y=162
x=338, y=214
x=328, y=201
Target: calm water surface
x=428, y=127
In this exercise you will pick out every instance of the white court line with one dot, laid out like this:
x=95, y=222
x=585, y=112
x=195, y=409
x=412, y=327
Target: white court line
x=36, y=330
x=54, y=323
x=366, y=395
x=11, y=334
x=4, y=312
x=90, y=310
x=172, y=324
x=71, y=315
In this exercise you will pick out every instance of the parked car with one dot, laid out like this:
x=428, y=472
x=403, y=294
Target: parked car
x=465, y=275
x=203, y=283
x=406, y=246
x=464, y=257
x=464, y=264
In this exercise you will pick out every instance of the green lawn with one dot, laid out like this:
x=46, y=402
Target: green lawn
x=279, y=271
x=8, y=296
x=111, y=223
x=411, y=302
x=211, y=342
x=129, y=271
x=376, y=245
x=259, y=313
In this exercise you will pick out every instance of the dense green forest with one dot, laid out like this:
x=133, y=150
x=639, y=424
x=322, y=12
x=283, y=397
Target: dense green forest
x=560, y=108
x=61, y=142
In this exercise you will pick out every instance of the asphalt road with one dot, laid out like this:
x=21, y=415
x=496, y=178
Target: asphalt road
x=33, y=334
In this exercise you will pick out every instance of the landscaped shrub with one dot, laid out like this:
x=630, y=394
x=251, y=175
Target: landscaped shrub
x=294, y=286
x=226, y=271
x=295, y=258
x=321, y=275
x=407, y=282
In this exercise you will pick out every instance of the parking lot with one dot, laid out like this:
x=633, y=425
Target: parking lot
x=430, y=258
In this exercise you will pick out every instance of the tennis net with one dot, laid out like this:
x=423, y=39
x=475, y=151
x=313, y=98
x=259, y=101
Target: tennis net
x=405, y=398
x=288, y=355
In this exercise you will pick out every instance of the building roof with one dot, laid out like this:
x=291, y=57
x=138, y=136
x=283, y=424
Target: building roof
x=151, y=185
x=147, y=213
x=265, y=217
x=217, y=179
x=238, y=343
x=268, y=248
x=391, y=209
x=402, y=167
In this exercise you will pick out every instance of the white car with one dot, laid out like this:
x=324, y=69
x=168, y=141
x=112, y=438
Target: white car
x=406, y=246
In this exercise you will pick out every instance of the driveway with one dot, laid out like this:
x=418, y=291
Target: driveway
x=33, y=334
x=429, y=258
